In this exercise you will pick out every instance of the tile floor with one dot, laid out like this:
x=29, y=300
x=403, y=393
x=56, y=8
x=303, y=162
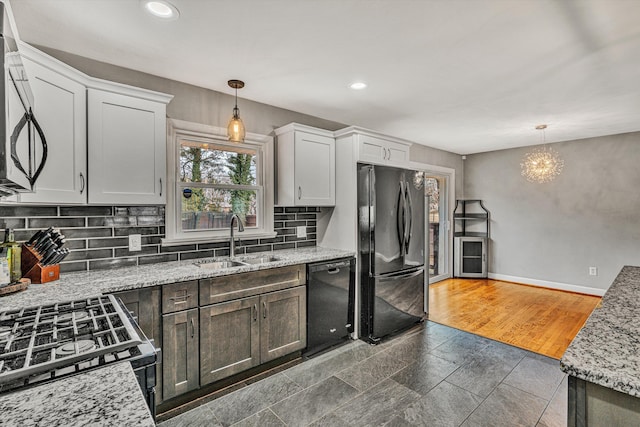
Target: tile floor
x=432, y=376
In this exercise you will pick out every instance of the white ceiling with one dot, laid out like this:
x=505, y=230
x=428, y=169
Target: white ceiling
x=465, y=76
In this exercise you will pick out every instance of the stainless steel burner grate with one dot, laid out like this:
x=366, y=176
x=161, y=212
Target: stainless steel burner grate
x=40, y=339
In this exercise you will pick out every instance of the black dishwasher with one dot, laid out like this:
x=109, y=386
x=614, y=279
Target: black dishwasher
x=330, y=300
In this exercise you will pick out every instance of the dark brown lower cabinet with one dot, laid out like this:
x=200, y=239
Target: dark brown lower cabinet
x=230, y=338
x=240, y=334
x=144, y=303
x=180, y=353
x=283, y=326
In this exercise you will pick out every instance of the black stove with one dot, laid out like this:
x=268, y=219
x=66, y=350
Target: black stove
x=44, y=343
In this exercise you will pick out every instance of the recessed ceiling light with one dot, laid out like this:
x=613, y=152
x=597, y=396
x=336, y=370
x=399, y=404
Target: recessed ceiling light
x=161, y=9
x=358, y=85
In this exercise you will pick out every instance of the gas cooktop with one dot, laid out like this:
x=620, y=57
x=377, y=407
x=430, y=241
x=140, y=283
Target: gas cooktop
x=49, y=340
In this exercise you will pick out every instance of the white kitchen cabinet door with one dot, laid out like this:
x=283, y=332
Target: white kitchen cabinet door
x=380, y=151
x=127, y=149
x=315, y=170
x=60, y=107
x=306, y=166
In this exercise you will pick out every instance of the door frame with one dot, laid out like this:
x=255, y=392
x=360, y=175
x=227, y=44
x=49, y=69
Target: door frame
x=449, y=177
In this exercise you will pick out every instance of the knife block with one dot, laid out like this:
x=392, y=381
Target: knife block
x=32, y=269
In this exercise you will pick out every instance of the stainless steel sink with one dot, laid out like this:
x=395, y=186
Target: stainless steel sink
x=260, y=260
x=219, y=265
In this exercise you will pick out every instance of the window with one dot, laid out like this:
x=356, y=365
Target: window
x=213, y=180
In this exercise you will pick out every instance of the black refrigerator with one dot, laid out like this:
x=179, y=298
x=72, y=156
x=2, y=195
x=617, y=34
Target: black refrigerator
x=391, y=250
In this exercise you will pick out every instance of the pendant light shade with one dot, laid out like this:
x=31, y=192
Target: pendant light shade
x=235, y=128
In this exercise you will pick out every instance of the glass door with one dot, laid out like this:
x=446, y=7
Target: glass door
x=435, y=187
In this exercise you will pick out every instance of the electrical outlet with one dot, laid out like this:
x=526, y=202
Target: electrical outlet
x=593, y=271
x=301, y=231
x=135, y=242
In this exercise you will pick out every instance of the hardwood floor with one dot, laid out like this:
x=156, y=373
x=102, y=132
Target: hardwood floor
x=537, y=319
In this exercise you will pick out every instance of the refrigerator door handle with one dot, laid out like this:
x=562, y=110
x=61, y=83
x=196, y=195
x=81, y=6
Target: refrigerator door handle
x=401, y=221
x=407, y=233
x=407, y=275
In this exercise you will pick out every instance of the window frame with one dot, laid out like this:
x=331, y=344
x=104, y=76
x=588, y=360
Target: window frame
x=263, y=144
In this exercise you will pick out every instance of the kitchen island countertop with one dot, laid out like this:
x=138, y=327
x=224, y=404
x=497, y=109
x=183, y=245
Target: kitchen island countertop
x=73, y=286
x=107, y=396
x=606, y=351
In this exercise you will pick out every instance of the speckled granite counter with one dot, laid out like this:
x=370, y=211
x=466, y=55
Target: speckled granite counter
x=72, y=286
x=108, y=396
x=607, y=349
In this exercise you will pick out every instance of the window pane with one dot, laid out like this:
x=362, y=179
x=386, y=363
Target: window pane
x=217, y=164
x=211, y=208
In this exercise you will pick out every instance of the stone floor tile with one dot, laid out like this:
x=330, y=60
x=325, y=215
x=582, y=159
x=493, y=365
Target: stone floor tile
x=480, y=375
x=197, y=417
x=422, y=376
x=536, y=376
x=265, y=418
x=556, y=413
x=445, y=405
x=461, y=347
x=314, y=402
x=507, y=406
x=377, y=405
x=247, y=401
x=371, y=371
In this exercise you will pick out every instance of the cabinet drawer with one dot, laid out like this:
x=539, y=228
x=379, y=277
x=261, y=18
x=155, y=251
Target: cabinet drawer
x=179, y=296
x=226, y=288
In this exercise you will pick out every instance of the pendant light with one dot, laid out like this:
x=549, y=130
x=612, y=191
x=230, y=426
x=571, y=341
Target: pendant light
x=543, y=164
x=235, y=128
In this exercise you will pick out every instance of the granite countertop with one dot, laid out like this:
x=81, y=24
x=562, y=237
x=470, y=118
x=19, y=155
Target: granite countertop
x=108, y=396
x=73, y=286
x=606, y=351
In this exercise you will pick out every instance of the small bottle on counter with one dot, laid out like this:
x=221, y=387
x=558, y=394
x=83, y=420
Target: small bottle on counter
x=13, y=255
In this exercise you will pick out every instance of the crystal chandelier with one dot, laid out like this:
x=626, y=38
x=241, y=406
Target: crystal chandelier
x=542, y=164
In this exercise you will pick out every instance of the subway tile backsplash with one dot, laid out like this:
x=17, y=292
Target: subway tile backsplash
x=97, y=236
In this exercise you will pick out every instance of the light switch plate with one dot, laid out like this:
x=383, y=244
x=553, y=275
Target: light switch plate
x=301, y=231
x=135, y=242
x=593, y=271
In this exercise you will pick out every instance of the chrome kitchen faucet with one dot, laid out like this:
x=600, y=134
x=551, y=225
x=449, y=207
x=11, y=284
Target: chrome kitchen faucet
x=232, y=242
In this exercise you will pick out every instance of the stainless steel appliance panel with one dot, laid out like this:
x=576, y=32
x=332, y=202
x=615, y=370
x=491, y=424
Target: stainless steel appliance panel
x=398, y=302
x=330, y=299
x=415, y=217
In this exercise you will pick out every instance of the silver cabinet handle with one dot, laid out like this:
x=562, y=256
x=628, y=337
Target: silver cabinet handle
x=384, y=155
x=180, y=298
x=161, y=186
x=388, y=153
x=264, y=310
x=193, y=329
x=81, y=183
x=299, y=192
x=255, y=312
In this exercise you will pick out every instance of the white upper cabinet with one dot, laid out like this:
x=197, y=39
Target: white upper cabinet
x=306, y=166
x=374, y=148
x=60, y=108
x=381, y=151
x=106, y=141
x=127, y=149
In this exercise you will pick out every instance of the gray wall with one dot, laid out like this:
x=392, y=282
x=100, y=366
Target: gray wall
x=433, y=156
x=588, y=216
x=193, y=103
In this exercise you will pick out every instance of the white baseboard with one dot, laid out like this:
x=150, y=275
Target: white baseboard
x=547, y=284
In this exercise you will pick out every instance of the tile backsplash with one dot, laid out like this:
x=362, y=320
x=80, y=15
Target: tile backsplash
x=97, y=236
